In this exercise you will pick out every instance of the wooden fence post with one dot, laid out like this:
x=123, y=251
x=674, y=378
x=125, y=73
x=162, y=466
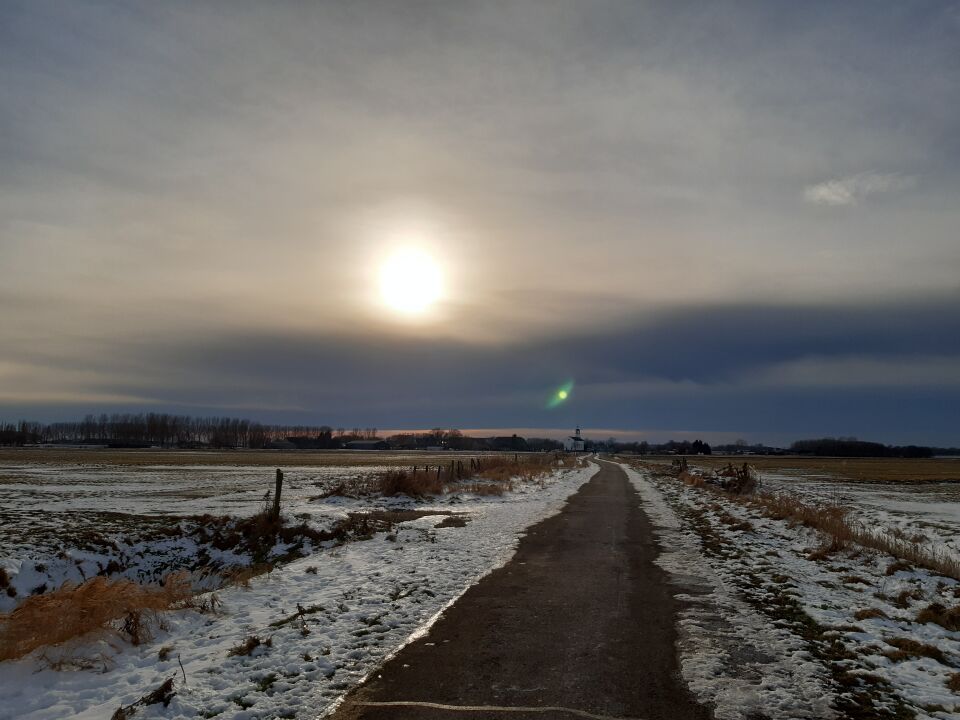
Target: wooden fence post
x=276, y=495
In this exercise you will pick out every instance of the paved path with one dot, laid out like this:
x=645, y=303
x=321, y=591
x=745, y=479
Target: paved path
x=580, y=623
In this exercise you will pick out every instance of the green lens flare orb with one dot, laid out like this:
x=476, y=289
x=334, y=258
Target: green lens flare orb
x=560, y=395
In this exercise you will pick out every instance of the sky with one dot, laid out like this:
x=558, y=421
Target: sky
x=729, y=219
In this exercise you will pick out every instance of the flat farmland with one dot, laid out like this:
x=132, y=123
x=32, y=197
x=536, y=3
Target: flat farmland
x=358, y=573
x=871, y=470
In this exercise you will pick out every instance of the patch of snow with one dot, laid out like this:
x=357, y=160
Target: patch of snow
x=731, y=657
x=362, y=601
x=757, y=561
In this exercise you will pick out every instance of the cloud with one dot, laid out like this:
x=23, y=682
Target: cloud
x=856, y=371
x=854, y=188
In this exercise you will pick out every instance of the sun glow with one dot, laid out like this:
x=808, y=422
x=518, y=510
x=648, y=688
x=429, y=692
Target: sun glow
x=410, y=282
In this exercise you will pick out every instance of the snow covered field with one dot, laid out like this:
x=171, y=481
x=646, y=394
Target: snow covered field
x=928, y=511
x=772, y=627
x=330, y=618
x=69, y=522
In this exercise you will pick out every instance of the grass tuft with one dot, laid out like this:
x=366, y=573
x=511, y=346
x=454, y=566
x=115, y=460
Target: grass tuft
x=897, y=566
x=907, y=648
x=868, y=613
x=93, y=606
x=948, y=618
x=953, y=683
x=247, y=646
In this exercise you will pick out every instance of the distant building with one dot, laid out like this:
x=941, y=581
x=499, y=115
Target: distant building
x=514, y=443
x=574, y=443
x=280, y=445
x=366, y=445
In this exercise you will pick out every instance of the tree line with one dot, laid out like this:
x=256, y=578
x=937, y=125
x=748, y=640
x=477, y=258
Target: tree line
x=851, y=447
x=167, y=430
x=184, y=431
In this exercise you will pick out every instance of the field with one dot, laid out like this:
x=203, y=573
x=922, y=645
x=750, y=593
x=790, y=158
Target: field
x=869, y=470
x=824, y=593
x=100, y=457
x=779, y=615
x=918, y=498
x=293, y=622
x=138, y=508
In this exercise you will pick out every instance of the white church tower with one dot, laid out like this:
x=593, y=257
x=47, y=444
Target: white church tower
x=574, y=443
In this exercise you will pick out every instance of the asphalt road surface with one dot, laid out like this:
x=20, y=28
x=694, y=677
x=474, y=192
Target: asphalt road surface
x=580, y=623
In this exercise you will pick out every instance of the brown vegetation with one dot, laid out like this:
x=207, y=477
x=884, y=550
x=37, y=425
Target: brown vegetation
x=903, y=598
x=907, y=648
x=948, y=618
x=897, y=566
x=254, y=458
x=855, y=469
x=248, y=645
x=488, y=475
x=832, y=521
x=868, y=613
x=953, y=683
x=162, y=694
x=93, y=606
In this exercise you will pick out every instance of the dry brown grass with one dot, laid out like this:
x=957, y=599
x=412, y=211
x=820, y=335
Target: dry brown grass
x=832, y=521
x=904, y=598
x=856, y=469
x=841, y=532
x=248, y=645
x=907, y=648
x=253, y=458
x=948, y=618
x=486, y=488
x=93, y=606
x=162, y=694
x=489, y=475
x=869, y=613
x=241, y=575
x=411, y=483
x=953, y=683
x=897, y=566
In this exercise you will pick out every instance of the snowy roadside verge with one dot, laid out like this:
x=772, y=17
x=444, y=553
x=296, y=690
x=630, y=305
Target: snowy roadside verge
x=858, y=615
x=731, y=657
x=361, y=601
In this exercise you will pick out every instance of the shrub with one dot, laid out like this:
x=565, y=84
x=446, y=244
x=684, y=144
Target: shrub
x=93, y=606
x=413, y=484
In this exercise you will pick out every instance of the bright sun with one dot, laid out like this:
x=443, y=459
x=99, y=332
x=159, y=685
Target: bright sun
x=410, y=282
